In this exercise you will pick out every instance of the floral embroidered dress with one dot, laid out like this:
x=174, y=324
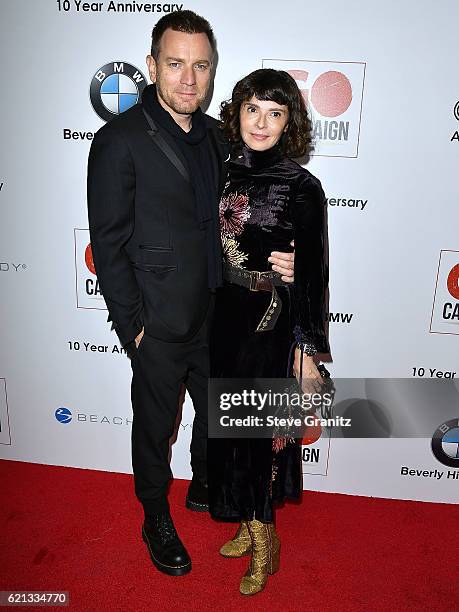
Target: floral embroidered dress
x=268, y=201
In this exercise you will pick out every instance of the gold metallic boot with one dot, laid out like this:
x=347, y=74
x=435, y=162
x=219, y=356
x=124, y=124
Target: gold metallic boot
x=240, y=545
x=265, y=557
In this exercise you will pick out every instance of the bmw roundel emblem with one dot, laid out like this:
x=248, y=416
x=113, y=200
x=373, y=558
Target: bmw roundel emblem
x=445, y=443
x=116, y=87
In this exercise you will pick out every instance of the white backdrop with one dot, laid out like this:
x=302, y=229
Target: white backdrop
x=383, y=85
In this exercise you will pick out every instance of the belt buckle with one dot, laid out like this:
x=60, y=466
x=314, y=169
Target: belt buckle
x=254, y=278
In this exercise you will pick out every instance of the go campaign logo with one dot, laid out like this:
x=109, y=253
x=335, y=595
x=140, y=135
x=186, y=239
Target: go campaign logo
x=87, y=285
x=333, y=92
x=315, y=450
x=445, y=310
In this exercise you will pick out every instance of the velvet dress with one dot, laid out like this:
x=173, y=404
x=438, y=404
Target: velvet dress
x=268, y=200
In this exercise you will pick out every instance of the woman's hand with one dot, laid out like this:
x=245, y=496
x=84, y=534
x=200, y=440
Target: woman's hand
x=284, y=263
x=312, y=379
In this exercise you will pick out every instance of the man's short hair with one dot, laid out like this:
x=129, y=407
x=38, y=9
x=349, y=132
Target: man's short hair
x=181, y=21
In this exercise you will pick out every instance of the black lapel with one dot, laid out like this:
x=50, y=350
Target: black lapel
x=216, y=159
x=165, y=147
x=220, y=159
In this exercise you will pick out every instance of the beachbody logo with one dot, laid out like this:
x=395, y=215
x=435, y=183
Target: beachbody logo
x=333, y=92
x=87, y=285
x=63, y=415
x=115, y=88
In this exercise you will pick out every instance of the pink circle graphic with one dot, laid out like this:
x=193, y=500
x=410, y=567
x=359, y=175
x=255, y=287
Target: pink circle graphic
x=453, y=281
x=89, y=260
x=331, y=94
x=312, y=434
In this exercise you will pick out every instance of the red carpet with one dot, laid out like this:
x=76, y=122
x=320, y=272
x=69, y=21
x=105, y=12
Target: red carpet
x=79, y=531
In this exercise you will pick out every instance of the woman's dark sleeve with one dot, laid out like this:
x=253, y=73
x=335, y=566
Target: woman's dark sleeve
x=308, y=212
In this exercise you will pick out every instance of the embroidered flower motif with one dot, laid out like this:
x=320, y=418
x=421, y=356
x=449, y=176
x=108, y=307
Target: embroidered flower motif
x=234, y=212
x=231, y=252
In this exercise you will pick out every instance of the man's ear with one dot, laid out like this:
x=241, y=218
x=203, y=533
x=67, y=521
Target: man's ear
x=151, y=65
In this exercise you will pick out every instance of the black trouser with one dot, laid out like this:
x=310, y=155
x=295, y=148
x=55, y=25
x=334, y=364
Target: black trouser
x=159, y=371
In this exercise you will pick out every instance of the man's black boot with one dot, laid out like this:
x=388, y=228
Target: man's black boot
x=165, y=547
x=197, y=497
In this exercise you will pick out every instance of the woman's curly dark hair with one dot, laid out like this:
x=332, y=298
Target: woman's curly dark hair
x=280, y=87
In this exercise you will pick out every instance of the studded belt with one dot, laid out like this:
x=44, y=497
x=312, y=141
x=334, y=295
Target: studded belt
x=258, y=281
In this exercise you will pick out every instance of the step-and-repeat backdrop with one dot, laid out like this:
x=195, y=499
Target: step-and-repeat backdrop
x=382, y=84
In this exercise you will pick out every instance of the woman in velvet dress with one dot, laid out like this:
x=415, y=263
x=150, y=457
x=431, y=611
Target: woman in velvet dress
x=268, y=201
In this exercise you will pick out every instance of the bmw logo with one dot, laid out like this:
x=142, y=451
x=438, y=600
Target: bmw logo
x=445, y=443
x=63, y=415
x=114, y=88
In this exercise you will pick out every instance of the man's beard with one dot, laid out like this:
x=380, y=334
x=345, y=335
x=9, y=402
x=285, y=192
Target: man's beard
x=178, y=106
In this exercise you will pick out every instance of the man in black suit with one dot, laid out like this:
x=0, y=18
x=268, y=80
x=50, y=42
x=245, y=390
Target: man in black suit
x=155, y=175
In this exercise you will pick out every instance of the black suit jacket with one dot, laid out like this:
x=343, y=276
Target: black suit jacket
x=149, y=251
